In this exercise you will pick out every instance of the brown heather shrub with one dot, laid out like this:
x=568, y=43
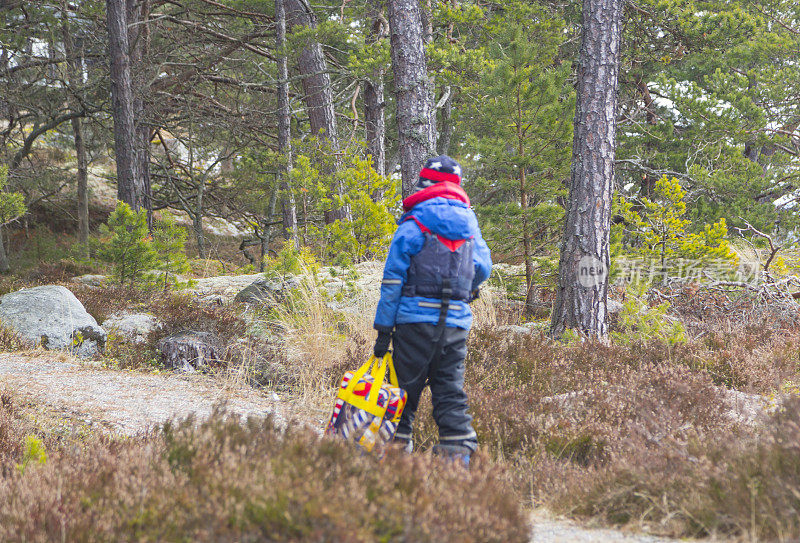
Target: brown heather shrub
x=11, y=433
x=637, y=433
x=726, y=484
x=102, y=302
x=231, y=480
x=737, y=311
x=179, y=312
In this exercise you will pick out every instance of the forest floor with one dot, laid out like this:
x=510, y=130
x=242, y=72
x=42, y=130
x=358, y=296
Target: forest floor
x=129, y=402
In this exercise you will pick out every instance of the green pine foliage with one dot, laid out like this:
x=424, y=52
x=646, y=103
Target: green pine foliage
x=639, y=322
x=12, y=204
x=521, y=141
x=169, y=241
x=369, y=198
x=128, y=245
x=656, y=230
x=719, y=75
x=139, y=256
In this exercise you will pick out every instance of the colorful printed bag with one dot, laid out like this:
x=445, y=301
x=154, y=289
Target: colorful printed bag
x=367, y=411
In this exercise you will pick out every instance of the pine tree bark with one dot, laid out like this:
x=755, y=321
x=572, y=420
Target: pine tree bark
x=446, y=132
x=139, y=41
x=416, y=138
x=130, y=188
x=374, y=100
x=581, y=295
x=289, y=209
x=5, y=265
x=73, y=80
x=317, y=88
x=83, y=185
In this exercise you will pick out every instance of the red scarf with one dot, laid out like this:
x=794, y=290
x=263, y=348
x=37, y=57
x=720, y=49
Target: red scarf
x=445, y=189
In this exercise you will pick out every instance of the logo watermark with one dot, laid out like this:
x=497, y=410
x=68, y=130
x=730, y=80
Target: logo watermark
x=593, y=272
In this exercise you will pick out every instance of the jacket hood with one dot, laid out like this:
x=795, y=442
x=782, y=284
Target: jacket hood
x=449, y=218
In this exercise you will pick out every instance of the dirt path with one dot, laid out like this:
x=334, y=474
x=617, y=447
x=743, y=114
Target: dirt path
x=130, y=402
x=127, y=402
x=547, y=529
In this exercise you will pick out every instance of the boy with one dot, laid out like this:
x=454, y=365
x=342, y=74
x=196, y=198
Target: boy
x=436, y=262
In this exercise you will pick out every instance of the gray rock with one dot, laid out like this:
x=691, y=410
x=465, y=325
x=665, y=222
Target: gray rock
x=527, y=328
x=190, y=351
x=514, y=329
x=132, y=326
x=266, y=291
x=224, y=286
x=91, y=280
x=613, y=307
x=212, y=299
x=51, y=316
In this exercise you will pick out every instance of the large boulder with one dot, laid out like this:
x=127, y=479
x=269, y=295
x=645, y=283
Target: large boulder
x=223, y=286
x=134, y=327
x=266, y=291
x=51, y=316
x=190, y=351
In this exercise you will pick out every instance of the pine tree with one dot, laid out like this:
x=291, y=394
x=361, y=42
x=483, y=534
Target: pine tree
x=12, y=206
x=169, y=242
x=129, y=246
x=657, y=230
x=581, y=294
x=522, y=134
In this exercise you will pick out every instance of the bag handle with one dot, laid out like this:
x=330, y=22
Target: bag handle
x=376, y=368
x=379, y=371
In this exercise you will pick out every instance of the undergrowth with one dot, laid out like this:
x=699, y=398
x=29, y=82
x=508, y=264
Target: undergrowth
x=641, y=433
x=227, y=479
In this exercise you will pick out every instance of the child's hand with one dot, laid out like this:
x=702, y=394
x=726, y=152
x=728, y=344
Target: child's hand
x=382, y=344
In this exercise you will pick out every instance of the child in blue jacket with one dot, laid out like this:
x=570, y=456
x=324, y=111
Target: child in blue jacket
x=436, y=262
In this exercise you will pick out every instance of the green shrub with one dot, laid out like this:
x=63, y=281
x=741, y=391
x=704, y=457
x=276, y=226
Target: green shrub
x=656, y=231
x=12, y=204
x=139, y=256
x=639, y=322
x=33, y=453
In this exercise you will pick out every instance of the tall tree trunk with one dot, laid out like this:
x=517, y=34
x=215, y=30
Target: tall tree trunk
x=648, y=183
x=5, y=265
x=446, y=133
x=317, y=88
x=411, y=87
x=427, y=37
x=266, y=233
x=83, y=185
x=139, y=42
x=523, y=201
x=73, y=66
x=130, y=188
x=197, y=219
x=374, y=100
x=288, y=206
x=581, y=295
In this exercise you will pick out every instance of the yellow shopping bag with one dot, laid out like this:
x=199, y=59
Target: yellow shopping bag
x=367, y=408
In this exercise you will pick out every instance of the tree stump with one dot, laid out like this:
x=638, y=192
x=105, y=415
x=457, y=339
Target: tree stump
x=190, y=351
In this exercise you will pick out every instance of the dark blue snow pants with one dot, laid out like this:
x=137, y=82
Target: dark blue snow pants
x=422, y=357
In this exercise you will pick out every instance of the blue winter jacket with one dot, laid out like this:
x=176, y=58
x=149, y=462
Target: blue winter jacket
x=450, y=218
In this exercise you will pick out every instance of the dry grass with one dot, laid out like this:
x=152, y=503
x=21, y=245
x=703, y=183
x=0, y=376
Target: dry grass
x=320, y=343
